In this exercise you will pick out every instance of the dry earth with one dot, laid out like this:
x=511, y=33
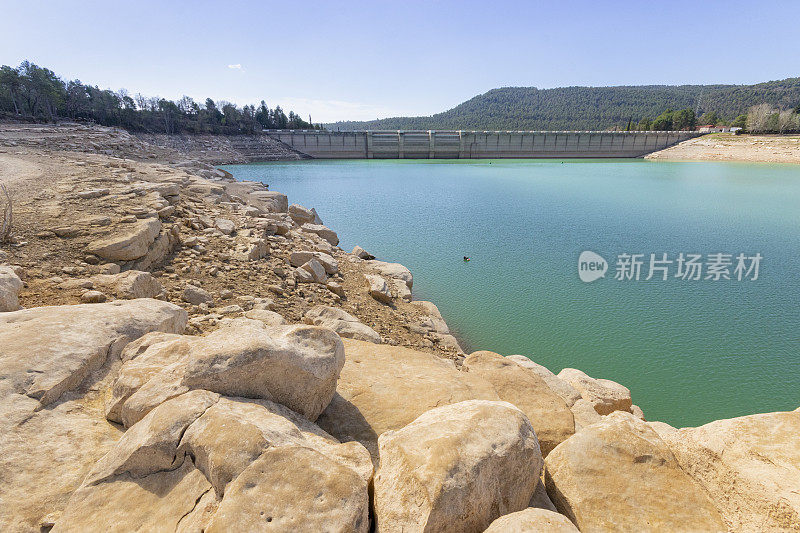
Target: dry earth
x=48, y=170
x=729, y=147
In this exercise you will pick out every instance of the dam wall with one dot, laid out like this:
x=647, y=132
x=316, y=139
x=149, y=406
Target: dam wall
x=477, y=144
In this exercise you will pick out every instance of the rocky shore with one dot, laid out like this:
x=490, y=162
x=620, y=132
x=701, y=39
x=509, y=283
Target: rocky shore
x=730, y=147
x=183, y=352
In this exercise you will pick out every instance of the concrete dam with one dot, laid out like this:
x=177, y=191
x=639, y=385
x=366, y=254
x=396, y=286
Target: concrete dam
x=477, y=144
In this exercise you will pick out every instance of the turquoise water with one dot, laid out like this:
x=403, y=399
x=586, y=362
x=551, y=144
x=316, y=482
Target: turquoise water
x=690, y=351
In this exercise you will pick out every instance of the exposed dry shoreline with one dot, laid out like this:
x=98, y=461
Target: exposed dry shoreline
x=730, y=147
x=198, y=355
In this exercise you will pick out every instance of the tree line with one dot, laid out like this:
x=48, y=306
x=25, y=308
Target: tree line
x=37, y=93
x=600, y=108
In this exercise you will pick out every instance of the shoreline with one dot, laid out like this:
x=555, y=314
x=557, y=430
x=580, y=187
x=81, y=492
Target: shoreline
x=144, y=254
x=727, y=147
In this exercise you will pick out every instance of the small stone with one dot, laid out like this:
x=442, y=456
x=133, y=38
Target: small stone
x=93, y=297
x=195, y=295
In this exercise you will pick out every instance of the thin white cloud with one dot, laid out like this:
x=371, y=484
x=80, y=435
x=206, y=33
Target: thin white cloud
x=237, y=66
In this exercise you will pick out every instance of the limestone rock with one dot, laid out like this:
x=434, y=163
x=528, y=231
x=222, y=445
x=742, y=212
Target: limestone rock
x=158, y=502
x=437, y=323
x=384, y=387
x=393, y=270
x=323, y=231
x=93, y=297
x=270, y=318
x=294, y=488
x=584, y=413
x=226, y=226
x=311, y=272
x=400, y=289
x=342, y=322
x=549, y=415
x=556, y=384
x=151, y=444
x=750, y=466
x=362, y=253
x=618, y=475
x=197, y=295
x=269, y=201
x=49, y=350
x=607, y=396
x=129, y=284
x=297, y=366
x=456, y=468
x=128, y=241
x=10, y=285
x=301, y=215
x=378, y=288
x=532, y=520
x=298, y=258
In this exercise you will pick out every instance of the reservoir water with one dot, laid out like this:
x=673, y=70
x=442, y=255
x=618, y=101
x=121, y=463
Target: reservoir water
x=691, y=351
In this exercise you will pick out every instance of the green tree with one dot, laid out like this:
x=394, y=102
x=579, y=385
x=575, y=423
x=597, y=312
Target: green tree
x=663, y=122
x=739, y=122
x=709, y=117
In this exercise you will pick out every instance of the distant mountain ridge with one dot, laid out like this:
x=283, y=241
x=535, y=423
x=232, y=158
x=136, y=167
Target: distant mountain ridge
x=590, y=108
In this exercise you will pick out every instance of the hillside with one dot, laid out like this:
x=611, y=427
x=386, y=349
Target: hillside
x=591, y=108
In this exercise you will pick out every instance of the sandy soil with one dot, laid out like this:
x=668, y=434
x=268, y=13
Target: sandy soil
x=729, y=147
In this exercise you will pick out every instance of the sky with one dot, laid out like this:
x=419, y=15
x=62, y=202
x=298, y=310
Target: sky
x=361, y=60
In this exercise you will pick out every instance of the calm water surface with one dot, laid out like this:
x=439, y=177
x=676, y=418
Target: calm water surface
x=690, y=351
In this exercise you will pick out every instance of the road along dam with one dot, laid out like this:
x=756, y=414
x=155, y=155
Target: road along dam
x=477, y=144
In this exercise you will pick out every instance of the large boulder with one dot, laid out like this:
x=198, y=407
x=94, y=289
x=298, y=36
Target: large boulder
x=269, y=201
x=311, y=271
x=378, y=288
x=204, y=462
x=532, y=520
x=62, y=357
x=322, y=231
x=393, y=270
x=567, y=392
x=298, y=258
x=386, y=387
x=607, y=396
x=296, y=366
x=294, y=488
x=128, y=241
x=129, y=285
x=342, y=322
x=618, y=475
x=49, y=350
x=10, y=285
x=750, y=466
x=549, y=415
x=302, y=215
x=456, y=468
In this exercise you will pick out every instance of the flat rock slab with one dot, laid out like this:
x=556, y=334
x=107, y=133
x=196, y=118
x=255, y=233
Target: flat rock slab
x=749, y=465
x=128, y=241
x=618, y=475
x=49, y=350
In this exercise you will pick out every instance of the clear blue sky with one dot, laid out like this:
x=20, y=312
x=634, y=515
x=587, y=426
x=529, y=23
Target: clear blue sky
x=369, y=59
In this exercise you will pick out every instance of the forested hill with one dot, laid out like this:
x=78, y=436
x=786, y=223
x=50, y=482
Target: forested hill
x=591, y=108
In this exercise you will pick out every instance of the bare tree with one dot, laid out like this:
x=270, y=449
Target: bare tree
x=758, y=117
x=8, y=216
x=787, y=120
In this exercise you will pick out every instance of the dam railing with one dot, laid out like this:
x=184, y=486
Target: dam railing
x=460, y=144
